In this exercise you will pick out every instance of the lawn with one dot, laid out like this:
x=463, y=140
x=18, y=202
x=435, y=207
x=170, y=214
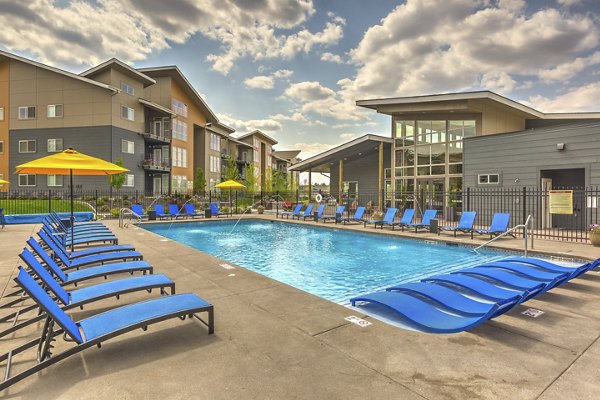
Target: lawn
x=39, y=206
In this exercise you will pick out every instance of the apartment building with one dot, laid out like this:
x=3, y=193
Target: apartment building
x=261, y=155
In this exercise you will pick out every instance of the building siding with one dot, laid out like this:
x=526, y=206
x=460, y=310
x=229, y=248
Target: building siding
x=364, y=170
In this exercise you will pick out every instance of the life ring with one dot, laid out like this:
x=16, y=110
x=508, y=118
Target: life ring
x=318, y=198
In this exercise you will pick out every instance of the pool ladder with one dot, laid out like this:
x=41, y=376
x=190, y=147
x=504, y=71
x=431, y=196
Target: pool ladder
x=122, y=212
x=526, y=227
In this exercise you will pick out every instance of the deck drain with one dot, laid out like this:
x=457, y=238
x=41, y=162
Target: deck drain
x=358, y=321
x=226, y=266
x=532, y=312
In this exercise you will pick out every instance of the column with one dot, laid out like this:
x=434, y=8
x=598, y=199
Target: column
x=380, y=176
x=340, y=186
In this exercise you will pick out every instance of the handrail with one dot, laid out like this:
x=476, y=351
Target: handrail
x=525, y=235
x=122, y=212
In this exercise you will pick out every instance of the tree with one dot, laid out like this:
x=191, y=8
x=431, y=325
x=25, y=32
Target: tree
x=199, y=180
x=280, y=182
x=118, y=180
x=267, y=180
x=231, y=170
x=250, y=178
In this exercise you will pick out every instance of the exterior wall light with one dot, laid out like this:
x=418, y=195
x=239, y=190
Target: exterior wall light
x=560, y=146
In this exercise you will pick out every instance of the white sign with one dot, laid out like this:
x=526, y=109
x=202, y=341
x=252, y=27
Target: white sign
x=358, y=321
x=532, y=312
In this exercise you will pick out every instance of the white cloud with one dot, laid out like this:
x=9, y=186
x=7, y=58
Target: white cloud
x=473, y=44
x=569, y=69
x=260, y=82
x=85, y=32
x=283, y=73
x=308, y=91
x=296, y=117
x=347, y=136
x=242, y=126
x=333, y=58
x=312, y=149
x=580, y=99
x=568, y=3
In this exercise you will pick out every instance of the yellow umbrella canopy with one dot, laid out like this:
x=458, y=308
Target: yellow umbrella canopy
x=70, y=162
x=2, y=181
x=230, y=184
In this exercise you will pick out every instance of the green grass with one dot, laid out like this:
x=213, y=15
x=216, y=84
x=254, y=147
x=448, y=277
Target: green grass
x=39, y=206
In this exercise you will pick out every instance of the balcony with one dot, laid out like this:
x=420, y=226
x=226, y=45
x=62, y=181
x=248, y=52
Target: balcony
x=158, y=136
x=155, y=165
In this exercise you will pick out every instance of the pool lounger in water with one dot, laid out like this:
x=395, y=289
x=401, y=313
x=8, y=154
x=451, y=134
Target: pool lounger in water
x=424, y=316
x=509, y=279
x=548, y=266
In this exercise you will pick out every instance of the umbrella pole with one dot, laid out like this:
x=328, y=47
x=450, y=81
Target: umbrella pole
x=72, y=215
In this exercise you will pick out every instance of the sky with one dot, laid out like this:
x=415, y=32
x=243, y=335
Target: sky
x=295, y=68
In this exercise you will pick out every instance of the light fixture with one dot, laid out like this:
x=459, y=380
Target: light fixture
x=560, y=146
x=360, y=154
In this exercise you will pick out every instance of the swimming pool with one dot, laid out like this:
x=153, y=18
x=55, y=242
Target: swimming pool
x=330, y=263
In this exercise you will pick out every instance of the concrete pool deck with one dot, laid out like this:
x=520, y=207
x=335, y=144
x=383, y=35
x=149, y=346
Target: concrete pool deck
x=273, y=341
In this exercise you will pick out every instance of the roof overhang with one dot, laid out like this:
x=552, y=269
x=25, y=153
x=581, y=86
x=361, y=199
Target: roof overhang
x=8, y=56
x=258, y=133
x=120, y=66
x=174, y=73
x=240, y=143
x=158, y=107
x=348, y=151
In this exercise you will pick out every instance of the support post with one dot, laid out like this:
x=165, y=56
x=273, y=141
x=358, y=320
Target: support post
x=340, y=181
x=309, y=185
x=380, y=177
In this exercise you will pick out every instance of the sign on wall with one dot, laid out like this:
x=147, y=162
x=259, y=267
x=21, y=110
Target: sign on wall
x=560, y=201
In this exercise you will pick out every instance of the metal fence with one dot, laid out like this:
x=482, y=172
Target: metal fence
x=519, y=202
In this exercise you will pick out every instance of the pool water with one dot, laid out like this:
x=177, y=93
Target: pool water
x=330, y=263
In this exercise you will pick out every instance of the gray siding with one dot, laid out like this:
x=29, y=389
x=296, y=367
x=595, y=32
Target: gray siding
x=364, y=170
x=98, y=141
x=521, y=156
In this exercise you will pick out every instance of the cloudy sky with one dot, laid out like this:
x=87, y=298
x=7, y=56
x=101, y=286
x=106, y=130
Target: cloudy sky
x=294, y=68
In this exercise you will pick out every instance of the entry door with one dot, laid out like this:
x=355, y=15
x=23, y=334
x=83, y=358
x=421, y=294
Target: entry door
x=157, y=156
x=156, y=185
x=546, y=216
x=432, y=190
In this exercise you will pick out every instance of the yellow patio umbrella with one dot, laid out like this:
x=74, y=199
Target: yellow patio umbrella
x=230, y=184
x=70, y=162
x=2, y=181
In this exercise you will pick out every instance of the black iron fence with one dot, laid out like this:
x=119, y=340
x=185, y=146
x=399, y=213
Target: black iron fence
x=519, y=202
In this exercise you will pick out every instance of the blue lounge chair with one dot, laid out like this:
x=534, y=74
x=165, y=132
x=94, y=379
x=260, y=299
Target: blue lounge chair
x=75, y=277
x=425, y=223
x=465, y=225
x=214, y=209
x=294, y=213
x=423, y=315
x=406, y=219
x=358, y=216
x=2, y=219
x=319, y=212
x=530, y=272
x=190, y=211
x=388, y=218
x=174, y=211
x=95, y=330
x=78, y=225
x=139, y=211
x=78, y=231
x=482, y=288
x=94, y=259
x=87, y=238
x=339, y=210
x=508, y=279
x=89, y=294
x=453, y=301
x=499, y=225
x=160, y=211
x=548, y=266
x=307, y=213
x=46, y=239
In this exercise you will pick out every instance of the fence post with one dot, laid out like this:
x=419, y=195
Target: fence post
x=49, y=201
x=524, y=200
x=297, y=196
x=277, y=203
x=468, y=199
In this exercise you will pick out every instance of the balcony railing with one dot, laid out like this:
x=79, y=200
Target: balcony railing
x=163, y=136
x=155, y=165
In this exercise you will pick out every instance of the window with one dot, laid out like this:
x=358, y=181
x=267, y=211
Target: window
x=55, y=145
x=1, y=147
x=127, y=88
x=129, y=180
x=1, y=113
x=26, y=180
x=128, y=113
x=27, y=112
x=27, y=146
x=127, y=146
x=55, y=180
x=179, y=107
x=179, y=157
x=488, y=179
x=180, y=129
x=179, y=183
x=215, y=164
x=215, y=142
x=55, y=111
